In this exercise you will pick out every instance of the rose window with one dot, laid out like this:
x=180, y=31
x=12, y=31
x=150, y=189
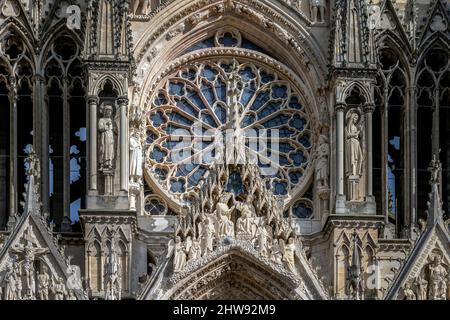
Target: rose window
x=195, y=108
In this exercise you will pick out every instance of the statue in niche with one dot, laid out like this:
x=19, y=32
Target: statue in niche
x=248, y=214
x=207, y=231
x=179, y=254
x=318, y=9
x=288, y=251
x=11, y=279
x=263, y=236
x=223, y=212
x=323, y=151
x=141, y=7
x=354, y=154
x=276, y=254
x=59, y=289
x=421, y=285
x=113, y=273
x=437, y=282
x=135, y=158
x=194, y=251
x=43, y=283
x=106, y=129
x=408, y=292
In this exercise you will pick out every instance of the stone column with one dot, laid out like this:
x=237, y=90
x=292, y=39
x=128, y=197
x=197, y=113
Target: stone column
x=13, y=197
x=123, y=140
x=340, y=196
x=93, y=104
x=368, y=110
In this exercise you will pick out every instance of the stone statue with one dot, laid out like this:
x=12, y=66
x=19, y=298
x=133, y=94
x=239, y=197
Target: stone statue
x=408, y=292
x=353, y=146
x=135, y=158
x=207, y=237
x=245, y=223
x=263, y=236
x=276, y=255
x=288, y=251
x=179, y=254
x=318, y=7
x=421, y=285
x=141, y=7
x=223, y=212
x=437, y=281
x=323, y=151
x=113, y=274
x=43, y=283
x=59, y=289
x=195, y=251
x=106, y=129
x=11, y=284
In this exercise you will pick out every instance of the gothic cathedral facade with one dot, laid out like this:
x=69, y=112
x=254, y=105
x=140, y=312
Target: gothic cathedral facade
x=224, y=149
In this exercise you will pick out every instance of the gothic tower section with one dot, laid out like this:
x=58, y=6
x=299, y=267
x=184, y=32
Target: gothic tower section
x=108, y=217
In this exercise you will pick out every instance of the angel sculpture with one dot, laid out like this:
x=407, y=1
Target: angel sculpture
x=194, y=251
x=245, y=223
x=223, y=212
x=288, y=250
x=177, y=248
x=263, y=236
x=207, y=231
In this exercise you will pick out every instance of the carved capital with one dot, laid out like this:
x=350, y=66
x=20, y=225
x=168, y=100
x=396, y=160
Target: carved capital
x=93, y=100
x=369, y=107
x=123, y=101
x=340, y=107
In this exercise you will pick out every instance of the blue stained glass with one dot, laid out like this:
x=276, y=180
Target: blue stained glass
x=189, y=74
x=151, y=137
x=177, y=186
x=285, y=147
x=302, y=211
x=196, y=176
x=226, y=67
x=248, y=120
x=247, y=95
x=247, y=44
x=295, y=176
x=160, y=100
x=184, y=169
x=284, y=161
x=286, y=132
x=298, y=122
x=295, y=104
x=158, y=119
x=305, y=141
x=266, y=77
x=221, y=114
x=247, y=74
x=276, y=121
x=195, y=98
x=298, y=158
x=260, y=100
x=228, y=40
x=279, y=92
x=176, y=89
x=171, y=128
x=158, y=155
x=208, y=93
x=178, y=118
x=206, y=43
x=280, y=188
x=161, y=174
x=184, y=105
x=176, y=145
x=270, y=109
x=221, y=90
x=209, y=73
x=208, y=119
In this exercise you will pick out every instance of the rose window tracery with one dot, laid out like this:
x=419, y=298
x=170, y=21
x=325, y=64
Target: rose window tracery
x=196, y=106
